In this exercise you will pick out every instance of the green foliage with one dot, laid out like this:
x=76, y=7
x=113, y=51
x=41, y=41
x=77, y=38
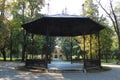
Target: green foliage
x=106, y=39
x=4, y=24
x=117, y=8
x=70, y=47
x=66, y=47
x=13, y=14
x=35, y=46
x=23, y=11
x=91, y=9
x=34, y=7
x=109, y=60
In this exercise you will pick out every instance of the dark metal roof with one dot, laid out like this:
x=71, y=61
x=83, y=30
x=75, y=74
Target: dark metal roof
x=63, y=26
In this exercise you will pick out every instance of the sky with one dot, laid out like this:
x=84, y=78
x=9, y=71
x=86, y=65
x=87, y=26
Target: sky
x=73, y=7
x=58, y=6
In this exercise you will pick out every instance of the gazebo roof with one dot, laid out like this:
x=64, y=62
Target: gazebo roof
x=57, y=25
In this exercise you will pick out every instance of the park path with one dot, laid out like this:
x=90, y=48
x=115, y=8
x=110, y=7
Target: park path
x=8, y=72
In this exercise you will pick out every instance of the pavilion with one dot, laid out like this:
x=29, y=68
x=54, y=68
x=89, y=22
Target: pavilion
x=66, y=25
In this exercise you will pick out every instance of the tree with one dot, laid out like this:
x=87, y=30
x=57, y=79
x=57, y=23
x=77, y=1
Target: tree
x=34, y=8
x=113, y=17
x=106, y=42
x=13, y=13
x=23, y=11
x=33, y=11
x=76, y=48
x=91, y=10
x=4, y=33
x=15, y=36
x=66, y=47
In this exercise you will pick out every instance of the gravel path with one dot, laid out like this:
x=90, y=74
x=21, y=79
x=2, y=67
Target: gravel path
x=8, y=72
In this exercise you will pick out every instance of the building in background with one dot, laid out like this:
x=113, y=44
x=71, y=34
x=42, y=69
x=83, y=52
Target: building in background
x=57, y=54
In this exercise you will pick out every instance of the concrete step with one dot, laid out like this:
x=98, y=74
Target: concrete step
x=69, y=70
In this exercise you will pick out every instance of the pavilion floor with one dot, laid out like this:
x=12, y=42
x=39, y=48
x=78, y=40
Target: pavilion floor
x=62, y=66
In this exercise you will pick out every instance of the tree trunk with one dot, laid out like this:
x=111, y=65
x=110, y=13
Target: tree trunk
x=118, y=41
x=24, y=32
x=3, y=53
x=106, y=56
x=23, y=54
x=24, y=46
x=67, y=57
x=11, y=47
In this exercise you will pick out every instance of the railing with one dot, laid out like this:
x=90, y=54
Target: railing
x=89, y=63
x=77, y=61
x=35, y=63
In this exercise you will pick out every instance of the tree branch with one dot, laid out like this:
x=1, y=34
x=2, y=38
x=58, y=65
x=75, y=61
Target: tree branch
x=115, y=18
x=112, y=19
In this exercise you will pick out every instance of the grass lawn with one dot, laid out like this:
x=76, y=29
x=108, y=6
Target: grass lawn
x=96, y=70
x=13, y=59
x=109, y=60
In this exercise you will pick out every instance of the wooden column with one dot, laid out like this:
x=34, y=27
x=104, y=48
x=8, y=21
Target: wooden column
x=99, y=53
x=90, y=46
x=71, y=48
x=50, y=50
x=47, y=48
x=84, y=52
